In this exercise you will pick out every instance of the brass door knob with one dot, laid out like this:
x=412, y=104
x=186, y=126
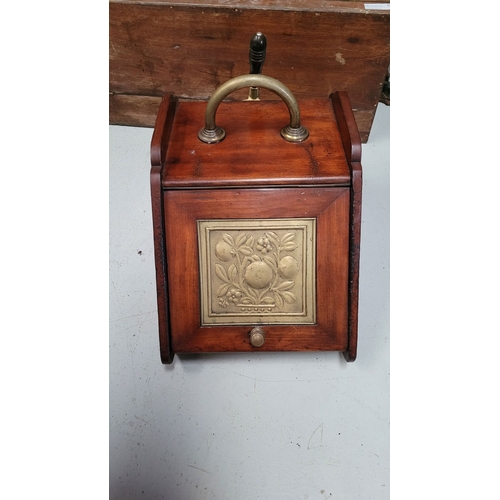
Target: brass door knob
x=257, y=336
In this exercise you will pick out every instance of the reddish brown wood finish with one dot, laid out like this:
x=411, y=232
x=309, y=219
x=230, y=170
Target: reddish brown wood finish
x=159, y=146
x=354, y=250
x=189, y=48
x=253, y=152
x=329, y=205
x=352, y=146
x=318, y=178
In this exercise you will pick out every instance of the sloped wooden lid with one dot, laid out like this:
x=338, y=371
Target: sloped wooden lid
x=253, y=152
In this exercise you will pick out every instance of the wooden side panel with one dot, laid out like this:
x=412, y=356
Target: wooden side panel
x=352, y=148
x=159, y=145
x=190, y=49
x=354, y=251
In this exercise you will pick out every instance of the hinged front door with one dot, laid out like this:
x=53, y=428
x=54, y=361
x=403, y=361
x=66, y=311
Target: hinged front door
x=270, y=258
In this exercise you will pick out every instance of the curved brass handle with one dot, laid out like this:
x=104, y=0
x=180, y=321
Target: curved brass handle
x=294, y=132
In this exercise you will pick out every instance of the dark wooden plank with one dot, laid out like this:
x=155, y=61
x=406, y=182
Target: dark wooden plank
x=188, y=49
x=133, y=110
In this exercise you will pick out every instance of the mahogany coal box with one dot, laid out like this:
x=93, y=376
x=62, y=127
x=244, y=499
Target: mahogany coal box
x=256, y=213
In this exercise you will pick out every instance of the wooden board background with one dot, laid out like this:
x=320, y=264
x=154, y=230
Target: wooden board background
x=189, y=48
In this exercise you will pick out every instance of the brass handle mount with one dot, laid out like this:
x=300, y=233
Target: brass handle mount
x=293, y=132
x=257, y=336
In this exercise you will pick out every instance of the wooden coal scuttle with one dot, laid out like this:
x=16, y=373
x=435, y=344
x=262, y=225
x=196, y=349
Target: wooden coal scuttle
x=256, y=215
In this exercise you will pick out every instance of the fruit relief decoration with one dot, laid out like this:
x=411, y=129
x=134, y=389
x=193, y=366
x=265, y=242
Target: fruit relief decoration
x=257, y=271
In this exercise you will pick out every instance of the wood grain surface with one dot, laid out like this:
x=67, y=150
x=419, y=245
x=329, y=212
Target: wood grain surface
x=159, y=146
x=352, y=146
x=253, y=152
x=188, y=49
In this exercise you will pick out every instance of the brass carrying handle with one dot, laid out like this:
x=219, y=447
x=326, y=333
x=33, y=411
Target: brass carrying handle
x=294, y=132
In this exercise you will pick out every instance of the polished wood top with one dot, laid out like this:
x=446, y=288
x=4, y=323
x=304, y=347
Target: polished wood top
x=253, y=152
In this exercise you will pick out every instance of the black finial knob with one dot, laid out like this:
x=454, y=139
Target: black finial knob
x=258, y=45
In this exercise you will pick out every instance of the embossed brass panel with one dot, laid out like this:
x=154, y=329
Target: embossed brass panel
x=257, y=271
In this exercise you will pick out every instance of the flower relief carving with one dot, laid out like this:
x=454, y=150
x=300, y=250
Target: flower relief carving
x=257, y=272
